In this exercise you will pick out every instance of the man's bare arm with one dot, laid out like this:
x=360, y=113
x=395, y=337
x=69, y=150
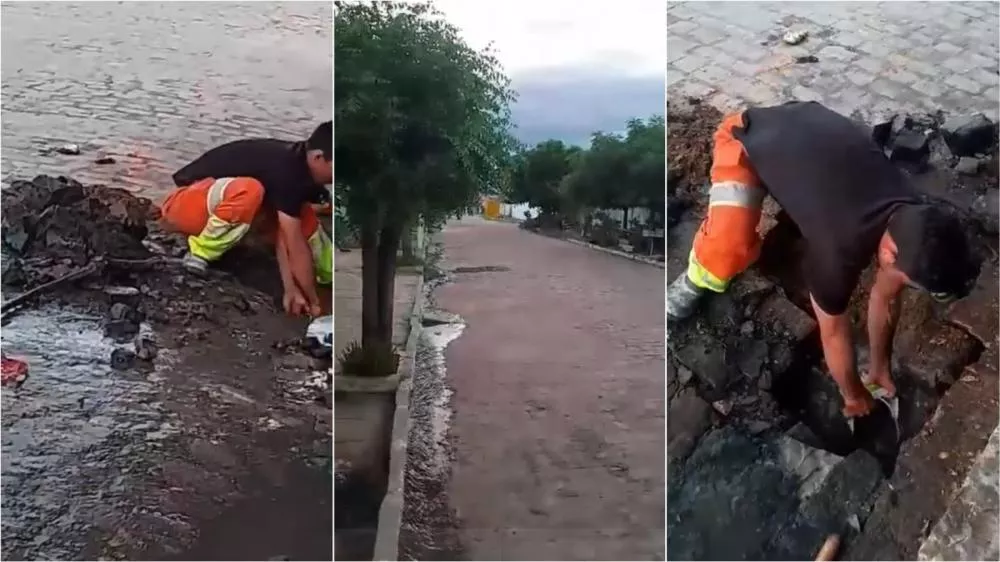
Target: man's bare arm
x=299, y=256
x=838, y=350
x=883, y=312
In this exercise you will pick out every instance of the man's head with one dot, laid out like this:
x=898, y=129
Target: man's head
x=319, y=153
x=929, y=248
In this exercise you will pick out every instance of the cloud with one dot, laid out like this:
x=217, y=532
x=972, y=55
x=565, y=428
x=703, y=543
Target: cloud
x=571, y=104
x=578, y=67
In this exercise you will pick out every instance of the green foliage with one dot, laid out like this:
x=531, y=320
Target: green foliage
x=422, y=119
x=620, y=172
x=617, y=171
x=373, y=360
x=538, y=173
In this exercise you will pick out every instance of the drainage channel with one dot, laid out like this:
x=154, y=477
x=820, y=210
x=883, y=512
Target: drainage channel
x=429, y=525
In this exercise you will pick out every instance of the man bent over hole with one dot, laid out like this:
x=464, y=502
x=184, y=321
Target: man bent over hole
x=850, y=203
x=221, y=193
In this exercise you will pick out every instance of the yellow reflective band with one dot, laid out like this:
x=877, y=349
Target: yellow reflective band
x=703, y=278
x=217, y=238
x=736, y=194
x=321, y=248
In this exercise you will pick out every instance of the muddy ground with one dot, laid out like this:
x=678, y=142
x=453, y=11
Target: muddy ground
x=754, y=415
x=166, y=416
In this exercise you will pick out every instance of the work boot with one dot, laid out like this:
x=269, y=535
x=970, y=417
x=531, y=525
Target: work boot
x=194, y=264
x=682, y=298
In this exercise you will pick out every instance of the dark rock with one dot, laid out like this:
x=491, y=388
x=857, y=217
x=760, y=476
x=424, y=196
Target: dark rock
x=120, y=311
x=985, y=208
x=771, y=475
x=910, y=148
x=104, y=160
x=806, y=59
x=145, y=349
x=765, y=380
x=847, y=492
x=121, y=330
x=706, y=358
x=753, y=355
x=939, y=357
x=967, y=166
x=941, y=155
x=969, y=135
x=13, y=272
x=782, y=316
x=801, y=433
x=977, y=314
x=689, y=417
x=722, y=311
x=882, y=132
x=122, y=359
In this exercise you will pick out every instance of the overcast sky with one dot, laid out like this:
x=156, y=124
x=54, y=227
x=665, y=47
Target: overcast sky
x=577, y=66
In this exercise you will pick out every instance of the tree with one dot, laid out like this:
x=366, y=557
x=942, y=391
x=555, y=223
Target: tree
x=623, y=171
x=421, y=127
x=538, y=174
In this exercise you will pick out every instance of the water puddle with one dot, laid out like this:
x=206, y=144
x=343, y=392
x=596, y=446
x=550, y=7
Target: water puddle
x=71, y=434
x=428, y=527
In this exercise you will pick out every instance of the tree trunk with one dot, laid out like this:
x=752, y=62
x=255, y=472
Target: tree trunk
x=388, y=246
x=369, y=285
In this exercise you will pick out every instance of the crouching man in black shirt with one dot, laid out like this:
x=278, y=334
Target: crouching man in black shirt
x=221, y=194
x=850, y=204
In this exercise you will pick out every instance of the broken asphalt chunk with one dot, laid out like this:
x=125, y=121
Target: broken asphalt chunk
x=969, y=135
x=910, y=148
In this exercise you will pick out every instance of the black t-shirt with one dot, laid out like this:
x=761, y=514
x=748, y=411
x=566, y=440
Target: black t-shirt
x=279, y=165
x=833, y=182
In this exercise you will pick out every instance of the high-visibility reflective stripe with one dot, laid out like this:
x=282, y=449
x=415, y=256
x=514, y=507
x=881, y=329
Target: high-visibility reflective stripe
x=703, y=278
x=216, y=238
x=736, y=194
x=216, y=193
x=322, y=252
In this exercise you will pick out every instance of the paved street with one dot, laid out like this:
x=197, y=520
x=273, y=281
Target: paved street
x=155, y=84
x=558, y=398
x=873, y=57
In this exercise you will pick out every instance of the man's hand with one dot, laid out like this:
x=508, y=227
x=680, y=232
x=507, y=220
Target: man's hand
x=860, y=406
x=295, y=304
x=300, y=264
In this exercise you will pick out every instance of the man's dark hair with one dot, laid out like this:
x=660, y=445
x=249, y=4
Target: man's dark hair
x=933, y=249
x=322, y=139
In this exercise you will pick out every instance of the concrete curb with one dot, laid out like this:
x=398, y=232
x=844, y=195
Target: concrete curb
x=619, y=253
x=390, y=513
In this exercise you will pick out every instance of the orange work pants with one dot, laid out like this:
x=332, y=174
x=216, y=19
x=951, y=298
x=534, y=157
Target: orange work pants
x=727, y=242
x=216, y=214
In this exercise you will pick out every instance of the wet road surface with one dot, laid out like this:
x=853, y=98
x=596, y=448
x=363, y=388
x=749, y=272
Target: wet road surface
x=556, y=417
x=207, y=456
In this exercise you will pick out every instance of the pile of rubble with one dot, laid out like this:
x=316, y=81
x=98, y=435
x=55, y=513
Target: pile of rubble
x=754, y=415
x=100, y=249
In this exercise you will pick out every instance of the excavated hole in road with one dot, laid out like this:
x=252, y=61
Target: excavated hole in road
x=807, y=392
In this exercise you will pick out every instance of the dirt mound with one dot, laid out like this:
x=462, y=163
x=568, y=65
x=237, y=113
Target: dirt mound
x=689, y=149
x=61, y=218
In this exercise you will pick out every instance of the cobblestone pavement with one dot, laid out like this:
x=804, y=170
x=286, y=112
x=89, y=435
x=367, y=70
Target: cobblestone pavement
x=558, y=398
x=156, y=84
x=873, y=57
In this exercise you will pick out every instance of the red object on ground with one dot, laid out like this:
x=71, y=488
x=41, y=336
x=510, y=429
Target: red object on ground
x=14, y=371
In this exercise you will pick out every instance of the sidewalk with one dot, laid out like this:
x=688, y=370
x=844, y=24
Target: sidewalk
x=361, y=420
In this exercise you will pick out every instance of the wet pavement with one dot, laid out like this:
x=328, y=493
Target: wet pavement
x=545, y=438
x=174, y=80
x=221, y=440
